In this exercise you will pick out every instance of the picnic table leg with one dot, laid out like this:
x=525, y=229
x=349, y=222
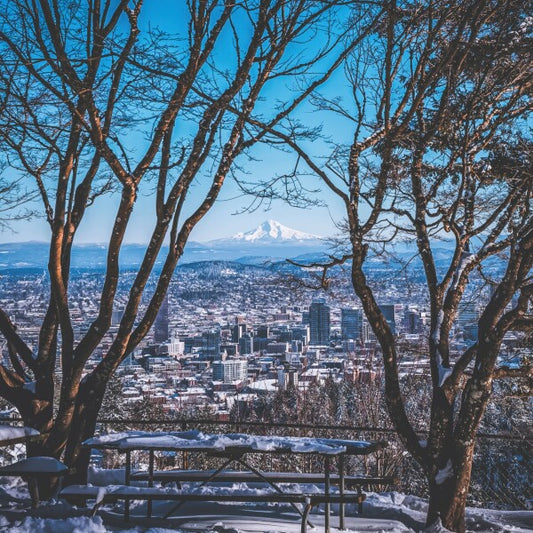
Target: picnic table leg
x=305, y=516
x=341, y=490
x=327, y=464
x=150, y=482
x=260, y=475
x=127, y=480
x=33, y=487
x=211, y=477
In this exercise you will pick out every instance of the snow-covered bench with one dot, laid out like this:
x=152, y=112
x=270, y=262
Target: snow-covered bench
x=112, y=494
x=33, y=469
x=243, y=476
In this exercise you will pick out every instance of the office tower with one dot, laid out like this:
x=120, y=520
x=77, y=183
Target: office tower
x=468, y=321
x=263, y=332
x=246, y=344
x=116, y=316
x=211, y=344
x=161, y=322
x=413, y=321
x=319, y=321
x=237, y=331
x=230, y=370
x=301, y=333
x=389, y=314
x=351, y=324
x=368, y=333
x=284, y=334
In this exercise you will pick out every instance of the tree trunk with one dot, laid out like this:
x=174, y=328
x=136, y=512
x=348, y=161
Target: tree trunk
x=88, y=403
x=447, y=499
x=43, y=422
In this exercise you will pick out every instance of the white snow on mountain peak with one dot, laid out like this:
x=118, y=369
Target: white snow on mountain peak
x=271, y=230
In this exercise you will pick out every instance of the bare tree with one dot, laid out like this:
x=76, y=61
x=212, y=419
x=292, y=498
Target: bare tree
x=441, y=95
x=94, y=104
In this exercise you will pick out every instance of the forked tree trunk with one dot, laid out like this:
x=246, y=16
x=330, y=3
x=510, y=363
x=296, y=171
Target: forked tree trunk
x=63, y=441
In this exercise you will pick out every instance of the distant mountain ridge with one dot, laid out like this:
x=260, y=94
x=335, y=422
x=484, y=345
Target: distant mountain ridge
x=270, y=240
x=269, y=243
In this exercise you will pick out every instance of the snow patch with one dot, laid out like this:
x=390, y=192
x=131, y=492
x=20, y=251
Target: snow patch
x=79, y=524
x=436, y=527
x=436, y=332
x=106, y=476
x=35, y=465
x=463, y=263
x=444, y=473
x=444, y=371
x=11, y=432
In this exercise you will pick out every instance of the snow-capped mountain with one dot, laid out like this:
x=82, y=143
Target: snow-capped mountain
x=272, y=231
x=269, y=241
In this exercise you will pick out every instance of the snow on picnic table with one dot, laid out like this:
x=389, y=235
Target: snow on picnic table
x=195, y=439
x=14, y=432
x=35, y=465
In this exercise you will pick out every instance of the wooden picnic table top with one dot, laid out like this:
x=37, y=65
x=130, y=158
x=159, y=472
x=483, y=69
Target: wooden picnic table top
x=230, y=443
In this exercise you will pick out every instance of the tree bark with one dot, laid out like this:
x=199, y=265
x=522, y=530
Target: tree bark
x=447, y=499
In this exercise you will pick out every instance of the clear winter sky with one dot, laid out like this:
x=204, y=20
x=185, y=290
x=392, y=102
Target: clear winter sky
x=227, y=216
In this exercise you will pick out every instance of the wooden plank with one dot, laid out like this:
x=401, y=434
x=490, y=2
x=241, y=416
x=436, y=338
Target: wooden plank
x=142, y=493
x=238, y=476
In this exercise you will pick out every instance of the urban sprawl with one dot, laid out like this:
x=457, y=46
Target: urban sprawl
x=229, y=332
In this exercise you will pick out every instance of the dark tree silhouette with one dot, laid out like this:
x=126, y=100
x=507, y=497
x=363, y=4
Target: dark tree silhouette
x=440, y=150
x=93, y=102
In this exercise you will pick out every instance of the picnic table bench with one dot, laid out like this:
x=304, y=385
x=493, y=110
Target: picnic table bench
x=246, y=476
x=112, y=494
x=32, y=469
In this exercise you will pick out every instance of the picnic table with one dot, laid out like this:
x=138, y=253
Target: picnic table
x=31, y=469
x=234, y=449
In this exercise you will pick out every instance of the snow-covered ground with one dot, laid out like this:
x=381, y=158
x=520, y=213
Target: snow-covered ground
x=386, y=512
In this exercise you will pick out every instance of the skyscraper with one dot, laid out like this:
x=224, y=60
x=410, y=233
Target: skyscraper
x=161, y=323
x=468, y=321
x=389, y=314
x=246, y=344
x=230, y=370
x=211, y=344
x=351, y=323
x=319, y=322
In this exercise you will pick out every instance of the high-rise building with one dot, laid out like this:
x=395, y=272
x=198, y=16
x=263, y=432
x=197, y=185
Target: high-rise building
x=116, y=316
x=468, y=321
x=319, y=322
x=263, y=331
x=413, y=321
x=161, y=323
x=351, y=324
x=246, y=344
x=211, y=344
x=389, y=314
x=230, y=370
x=301, y=333
x=237, y=331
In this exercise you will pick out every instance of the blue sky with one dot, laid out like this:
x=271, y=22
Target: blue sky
x=229, y=215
